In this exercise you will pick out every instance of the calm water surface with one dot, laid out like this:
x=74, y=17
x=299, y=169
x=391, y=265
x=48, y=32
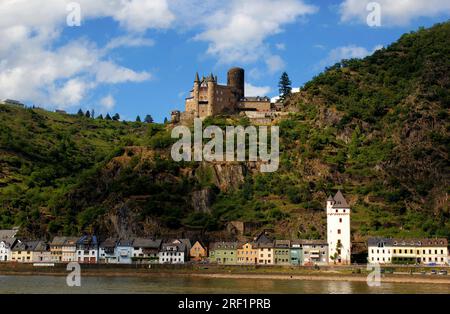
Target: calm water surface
x=182, y=285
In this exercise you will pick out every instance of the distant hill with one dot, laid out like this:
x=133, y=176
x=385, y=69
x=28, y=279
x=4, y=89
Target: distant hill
x=377, y=128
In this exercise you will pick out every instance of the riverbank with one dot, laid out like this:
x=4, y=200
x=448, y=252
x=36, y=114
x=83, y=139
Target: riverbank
x=325, y=273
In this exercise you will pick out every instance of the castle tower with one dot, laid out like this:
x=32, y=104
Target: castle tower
x=197, y=95
x=236, y=79
x=211, y=95
x=338, y=229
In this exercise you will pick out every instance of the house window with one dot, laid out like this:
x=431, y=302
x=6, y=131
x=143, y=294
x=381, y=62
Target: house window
x=339, y=231
x=340, y=219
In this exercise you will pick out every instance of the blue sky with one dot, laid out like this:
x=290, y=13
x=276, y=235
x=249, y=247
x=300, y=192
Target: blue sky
x=139, y=57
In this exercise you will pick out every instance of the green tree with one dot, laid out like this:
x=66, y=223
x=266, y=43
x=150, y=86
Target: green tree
x=148, y=119
x=116, y=117
x=80, y=113
x=138, y=119
x=285, y=86
x=88, y=114
x=100, y=117
x=108, y=117
x=165, y=120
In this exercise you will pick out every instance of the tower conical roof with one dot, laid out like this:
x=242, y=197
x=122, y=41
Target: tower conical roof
x=197, y=78
x=330, y=199
x=340, y=201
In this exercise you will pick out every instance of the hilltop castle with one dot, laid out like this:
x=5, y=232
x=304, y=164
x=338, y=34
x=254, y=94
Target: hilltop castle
x=209, y=98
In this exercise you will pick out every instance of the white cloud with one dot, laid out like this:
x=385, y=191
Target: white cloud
x=251, y=90
x=275, y=63
x=346, y=52
x=35, y=68
x=129, y=41
x=108, y=102
x=237, y=31
x=394, y=12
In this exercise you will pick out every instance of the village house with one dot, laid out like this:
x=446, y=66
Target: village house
x=172, y=253
x=87, y=250
x=282, y=252
x=107, y=251
x=31, y=252
x=40, y=252
x=223, y=253
x=145, y=251
x=7, y=241
x=315, y=252
x=247, y=254
x=69, y=249
x=198, y=252
x=5, y=248
x=56, y=249
x=265, y=251
x=124, y=251
x=408, y=251
x=296, y=252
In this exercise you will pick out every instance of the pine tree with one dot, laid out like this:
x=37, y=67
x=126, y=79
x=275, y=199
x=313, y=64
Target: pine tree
x=80, y=113
x=88, y=114
x=165, y=120
x=284, y=85
x=138, y=119
x=92, y=114
x=148, y=119
x=116, y=117
x=100, y=117
x=108, y=117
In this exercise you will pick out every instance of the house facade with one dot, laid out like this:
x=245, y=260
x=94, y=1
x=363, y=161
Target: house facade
x=172, y=253
x=40, y=252
x=315, y=252
x=296, y=253
x=247, y=254
x=69, y=249
x=22, y=253
x=282, y=252
x=107, y=251
x=5, y=249
x=223, y=253
x=266, y=253
x=146, y=251
x=87, y=250
x=56, y=249
x=198, y=252
x=408, y=251
x=124, y=251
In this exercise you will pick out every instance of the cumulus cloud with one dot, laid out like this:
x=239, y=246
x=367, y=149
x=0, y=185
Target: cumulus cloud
x=237, y=32
x=251, y=90
x=394, y=12
x=35, y=67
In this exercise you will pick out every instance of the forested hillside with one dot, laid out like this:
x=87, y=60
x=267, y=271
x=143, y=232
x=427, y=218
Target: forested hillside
x=376, y=128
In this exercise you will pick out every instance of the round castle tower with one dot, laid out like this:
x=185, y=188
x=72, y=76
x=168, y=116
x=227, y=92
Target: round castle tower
x=236, y=79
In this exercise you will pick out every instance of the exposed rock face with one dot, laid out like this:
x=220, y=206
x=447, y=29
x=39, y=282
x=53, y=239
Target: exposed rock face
x=228, y=176
x=202, y=200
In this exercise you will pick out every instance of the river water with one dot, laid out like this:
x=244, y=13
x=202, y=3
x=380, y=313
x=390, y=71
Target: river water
x=183, y=285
